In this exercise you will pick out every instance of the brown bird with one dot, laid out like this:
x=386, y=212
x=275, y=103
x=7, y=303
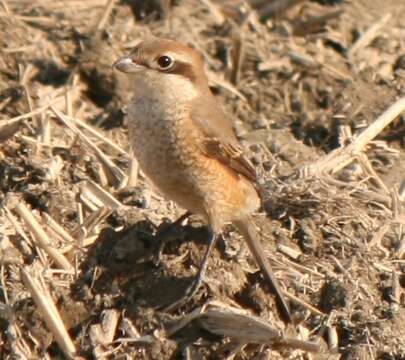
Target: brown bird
x=186, y=146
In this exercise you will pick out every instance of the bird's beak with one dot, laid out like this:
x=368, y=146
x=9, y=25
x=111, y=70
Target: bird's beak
x=126, y=65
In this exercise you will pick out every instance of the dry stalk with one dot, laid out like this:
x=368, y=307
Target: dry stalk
x=54, y=168
x=26, y=74
x=99, y=196
x=43, y=300
x=303, y=303
x=250, y=329
x=341, y=157
x=114, y=173
x=21, y=49
x=106, y=14
x=215, y=11
x=84, y=229
x=20, y=118
x=41, y=238
x=45, y=129
x=34, y=19
x=185, y=320
x=68, y=101
x=133, y=173
x=216, y=80
x=127, y=327
x=369, y=35
x=109, y=324
x=238, y=54
x=400, y=250
x=10, y=217
x=275, y=8
x=302, y=269
x=103, y=334
x=29, y=99
x=239, y=325
x=18, y=343
x=6, y=8
x=58, y=229
x=98, y=135
x=290, y=252
x=5, y=102
x=85, y=203
x=83, y=243
x=101, y=175
x=308, y=60
x=365, y=162
x=302, y=28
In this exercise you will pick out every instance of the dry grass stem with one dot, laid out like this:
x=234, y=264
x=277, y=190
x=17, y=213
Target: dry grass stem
x=341, y=157
x=103, y=334
x=368, y=36
x=250, y=329
x=84, y=229
x=41, y=238
x=238, y=55
x=133, y=173
x=309, y=61
x=57, y=228
x=86, y=242
x=215, y=11
x=98, y=135
x=43, y=300
x=114, y=173
x=11, y=218
x=25, y=116
x=276, y=8
x=99, y=196
x=106, y=14
x=303, y=303
x=290, y=252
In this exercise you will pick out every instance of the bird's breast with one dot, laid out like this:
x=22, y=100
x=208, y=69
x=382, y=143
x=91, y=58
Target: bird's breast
x=165, y=144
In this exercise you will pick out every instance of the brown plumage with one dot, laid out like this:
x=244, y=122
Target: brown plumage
x=186, y=145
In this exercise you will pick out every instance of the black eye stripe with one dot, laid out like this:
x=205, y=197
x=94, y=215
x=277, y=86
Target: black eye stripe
x=183, y=69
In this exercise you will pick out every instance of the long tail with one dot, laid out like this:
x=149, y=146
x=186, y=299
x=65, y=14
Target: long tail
x=247, y=229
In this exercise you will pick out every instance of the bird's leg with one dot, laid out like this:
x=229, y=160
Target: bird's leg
x=204, y=263
x=195, y=285
x=168, y=232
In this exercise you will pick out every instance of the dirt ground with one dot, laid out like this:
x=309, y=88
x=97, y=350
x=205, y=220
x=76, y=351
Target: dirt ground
x=84, y=273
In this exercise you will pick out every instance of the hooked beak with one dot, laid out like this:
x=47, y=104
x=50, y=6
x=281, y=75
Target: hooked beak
x=126, y=65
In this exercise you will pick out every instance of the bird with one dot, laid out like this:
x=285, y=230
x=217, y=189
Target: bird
x=185, y=144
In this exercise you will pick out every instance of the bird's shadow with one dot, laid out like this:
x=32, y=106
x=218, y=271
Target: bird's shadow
x=123, y=269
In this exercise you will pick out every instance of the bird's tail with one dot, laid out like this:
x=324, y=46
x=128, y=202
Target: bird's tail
x=248, y=230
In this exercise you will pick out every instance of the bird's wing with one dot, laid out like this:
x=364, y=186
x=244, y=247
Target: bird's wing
x=220, y=141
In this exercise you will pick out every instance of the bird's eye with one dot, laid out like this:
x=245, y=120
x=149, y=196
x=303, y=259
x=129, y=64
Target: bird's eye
x=164, y=62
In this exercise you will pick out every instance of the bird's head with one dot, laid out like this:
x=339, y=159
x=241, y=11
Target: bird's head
x=158, y=63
